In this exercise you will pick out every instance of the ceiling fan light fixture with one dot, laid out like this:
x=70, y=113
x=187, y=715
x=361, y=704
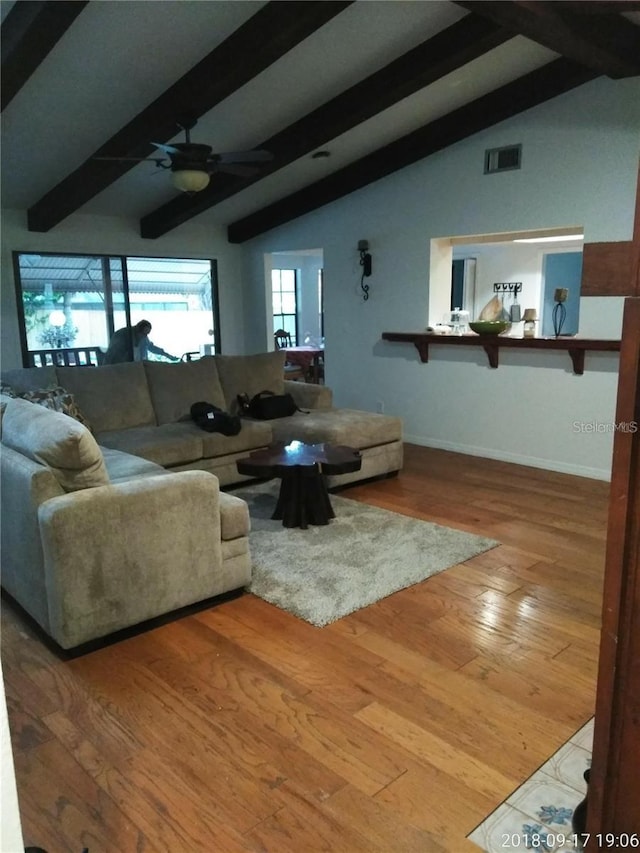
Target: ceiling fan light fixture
x=190, y=180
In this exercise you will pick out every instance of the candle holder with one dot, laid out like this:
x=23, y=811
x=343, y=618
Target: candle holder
x=530, y=318
x=559, y=309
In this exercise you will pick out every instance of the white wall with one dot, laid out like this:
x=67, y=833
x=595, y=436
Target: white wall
x=580, y=162
x=309, y=316
x=110, y=235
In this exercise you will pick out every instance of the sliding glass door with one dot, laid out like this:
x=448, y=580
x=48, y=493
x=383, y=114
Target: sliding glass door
x=70, y=305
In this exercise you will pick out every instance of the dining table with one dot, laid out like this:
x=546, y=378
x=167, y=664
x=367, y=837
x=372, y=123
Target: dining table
x=308, y=358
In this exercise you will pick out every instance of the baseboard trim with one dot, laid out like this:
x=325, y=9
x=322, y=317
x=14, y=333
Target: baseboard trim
x=515, y=458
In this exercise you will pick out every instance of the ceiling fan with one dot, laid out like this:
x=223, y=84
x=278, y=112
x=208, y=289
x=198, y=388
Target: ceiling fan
x=193, y=163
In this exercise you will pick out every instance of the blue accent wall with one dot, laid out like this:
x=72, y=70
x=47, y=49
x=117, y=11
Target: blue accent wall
x=561, y=269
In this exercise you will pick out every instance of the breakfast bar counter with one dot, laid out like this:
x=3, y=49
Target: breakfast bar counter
x=575, y=346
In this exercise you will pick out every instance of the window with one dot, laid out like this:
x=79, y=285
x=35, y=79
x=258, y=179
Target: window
x=74, y=303
x=284, y=294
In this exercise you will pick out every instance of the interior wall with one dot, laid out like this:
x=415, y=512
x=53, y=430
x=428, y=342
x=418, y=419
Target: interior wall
x=580, y=161
x=110, y=235
x=309, y=316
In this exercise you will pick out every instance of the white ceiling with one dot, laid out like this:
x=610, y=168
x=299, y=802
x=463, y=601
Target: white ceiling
x=117, y=57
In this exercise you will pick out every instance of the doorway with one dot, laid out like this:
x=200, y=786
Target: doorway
x=296, y=288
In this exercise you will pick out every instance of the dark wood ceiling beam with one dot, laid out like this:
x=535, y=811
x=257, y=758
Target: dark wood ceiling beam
x=273, y=31
x=600, y=7
x=28, y=34
x=450, y=49
x=607, y=43
x=528, y=91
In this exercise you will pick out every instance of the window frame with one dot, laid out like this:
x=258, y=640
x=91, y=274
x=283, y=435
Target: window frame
x=280, y=324
x=107, y=259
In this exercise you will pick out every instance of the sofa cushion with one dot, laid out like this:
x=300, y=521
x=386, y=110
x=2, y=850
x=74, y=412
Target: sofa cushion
x=167, y=445
x=339, y=426
x=253, y=434
x=30, y=378
x=55, y=440
x=250, y=374
x=175, y=387
x=234, y=517
x=125, y=466
x=114, y=396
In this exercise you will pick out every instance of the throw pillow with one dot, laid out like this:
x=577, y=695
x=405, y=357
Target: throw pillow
x=58, y=399
x=57, y=441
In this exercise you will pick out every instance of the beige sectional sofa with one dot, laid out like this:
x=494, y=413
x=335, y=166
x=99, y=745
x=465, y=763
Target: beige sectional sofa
x=112, y=517
x=144, y=408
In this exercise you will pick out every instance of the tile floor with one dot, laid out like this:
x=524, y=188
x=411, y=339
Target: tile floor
x=537, y=816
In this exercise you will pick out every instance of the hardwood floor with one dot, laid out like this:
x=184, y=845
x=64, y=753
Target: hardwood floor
x=396, y=729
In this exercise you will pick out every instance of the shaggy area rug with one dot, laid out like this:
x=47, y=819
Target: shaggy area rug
x=364, y=554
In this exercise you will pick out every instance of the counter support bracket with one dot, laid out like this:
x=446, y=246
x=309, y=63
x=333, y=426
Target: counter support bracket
x=423, y=350
x=577, y=357
x=492, y=352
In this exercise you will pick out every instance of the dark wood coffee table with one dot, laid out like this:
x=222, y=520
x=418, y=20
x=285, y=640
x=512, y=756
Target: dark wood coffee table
x=304, y=497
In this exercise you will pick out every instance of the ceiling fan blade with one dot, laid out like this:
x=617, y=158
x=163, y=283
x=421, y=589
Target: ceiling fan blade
x=159, y=161
x=258, y=156
x=237, y=169
x=168, y=149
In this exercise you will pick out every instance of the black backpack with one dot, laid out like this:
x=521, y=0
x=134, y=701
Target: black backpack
x=213, y=419
x=267, y=406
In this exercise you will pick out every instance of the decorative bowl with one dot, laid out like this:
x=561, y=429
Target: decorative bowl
x=489, y=327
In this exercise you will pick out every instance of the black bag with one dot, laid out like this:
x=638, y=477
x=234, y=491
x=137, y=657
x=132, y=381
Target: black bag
x=213, y=419
x=267, y=406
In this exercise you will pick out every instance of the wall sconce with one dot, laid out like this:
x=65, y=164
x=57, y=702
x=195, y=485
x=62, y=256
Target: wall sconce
x=559, y=309
x=365, y=263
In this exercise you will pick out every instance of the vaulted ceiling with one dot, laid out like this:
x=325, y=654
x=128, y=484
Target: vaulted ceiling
x=375, y=85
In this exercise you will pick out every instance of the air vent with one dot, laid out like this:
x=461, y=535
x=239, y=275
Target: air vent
x=502, y=159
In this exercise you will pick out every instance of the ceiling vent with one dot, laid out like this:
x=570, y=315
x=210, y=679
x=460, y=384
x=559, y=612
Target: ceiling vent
x=502, y=159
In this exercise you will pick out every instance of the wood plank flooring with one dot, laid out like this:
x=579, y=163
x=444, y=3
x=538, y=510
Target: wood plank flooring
x=395, y=730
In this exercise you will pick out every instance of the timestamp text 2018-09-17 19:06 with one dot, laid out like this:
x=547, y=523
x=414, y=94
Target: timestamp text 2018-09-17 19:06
x=545, y=841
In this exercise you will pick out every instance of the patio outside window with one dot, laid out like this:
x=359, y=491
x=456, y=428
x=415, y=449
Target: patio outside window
x=76, y=302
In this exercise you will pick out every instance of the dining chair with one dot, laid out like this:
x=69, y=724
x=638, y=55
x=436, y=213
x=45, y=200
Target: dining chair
x=282, y=339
